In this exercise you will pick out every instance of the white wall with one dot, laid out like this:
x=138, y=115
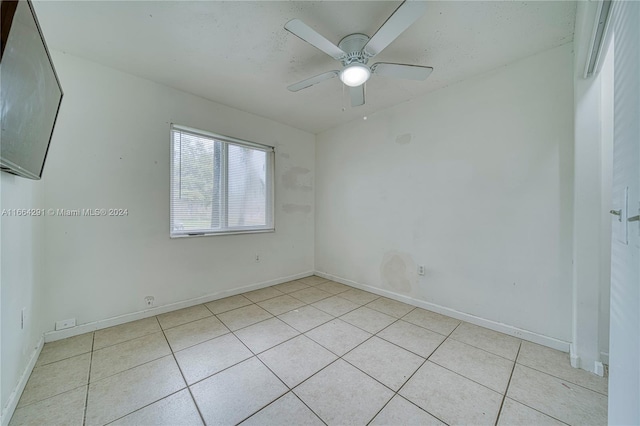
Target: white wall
x=473, y=181
x=606, y=203
x=111, y=150
x=21, y=277
x=592, y=201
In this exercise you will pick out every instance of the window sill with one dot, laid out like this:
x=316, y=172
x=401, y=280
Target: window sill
x=209, y=234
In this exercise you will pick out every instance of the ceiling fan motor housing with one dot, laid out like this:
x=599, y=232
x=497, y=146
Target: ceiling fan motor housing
x=353, y=45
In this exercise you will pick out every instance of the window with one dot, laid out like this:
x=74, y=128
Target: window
x=219, y=185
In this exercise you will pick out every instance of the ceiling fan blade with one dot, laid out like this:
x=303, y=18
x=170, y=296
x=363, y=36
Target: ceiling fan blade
x=311, y=36
x=407, y=72
x=404, y=16
x=313, y=80
x=357, y=95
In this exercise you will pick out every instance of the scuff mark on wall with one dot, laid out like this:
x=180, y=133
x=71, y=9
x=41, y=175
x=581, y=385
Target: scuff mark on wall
x=398, y=271
x=297, y=178
x=296, y=208
x=404, y=139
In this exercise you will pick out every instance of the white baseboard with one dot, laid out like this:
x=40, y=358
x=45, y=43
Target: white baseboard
x=573, y=357
x=595, y=367
x=12, y=403
x=599, y=368
x=492, y=325
x=121, y=319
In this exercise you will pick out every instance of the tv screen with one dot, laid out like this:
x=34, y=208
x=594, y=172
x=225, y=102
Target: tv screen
x=30, y=92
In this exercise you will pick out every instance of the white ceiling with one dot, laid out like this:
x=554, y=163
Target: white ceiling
x=238, y=54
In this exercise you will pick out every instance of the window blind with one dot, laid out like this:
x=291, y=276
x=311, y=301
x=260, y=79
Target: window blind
x=219, y=184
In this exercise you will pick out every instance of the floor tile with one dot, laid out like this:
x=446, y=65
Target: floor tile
x=121, y=394
x=177, y=409
x=335, y=305
x=290, y=287
x=210, y=357
x=288, y=410
x=338, y=336
x=332, y=287
x=391, y=307
x=63, y=409
x=135, y=380
x=243, y=317
x=236, y=393
x=281, y=304
x=360, y=297
x=123, y=356
x=432, y=321
x=557, y=364
x=313, y=280
x=122, y=333
x=65, y=348
x=385, y=362
x=305, y=318
x=297, y=359
x=266, y=334
x=515, y=414
x=195, y=332
x=183, y=316
x=341, y=394
x=310, y=295
x=399, y=411
x=227, y=304
x=480, y=366
x=368, y=319
x=55, y=378
x=558, y=398
x=452, y=398
x=489, y=340
x=263, y=294
x=412, y=337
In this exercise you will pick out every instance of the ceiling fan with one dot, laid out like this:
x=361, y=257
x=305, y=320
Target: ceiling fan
x=355, y=50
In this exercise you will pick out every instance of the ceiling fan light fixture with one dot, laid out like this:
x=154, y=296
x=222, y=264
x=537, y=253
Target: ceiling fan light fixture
x=355, y=74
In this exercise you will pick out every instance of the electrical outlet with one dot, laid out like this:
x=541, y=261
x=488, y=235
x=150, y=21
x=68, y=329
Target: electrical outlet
x=68, y=323
x=149, y=300
x=421, y=270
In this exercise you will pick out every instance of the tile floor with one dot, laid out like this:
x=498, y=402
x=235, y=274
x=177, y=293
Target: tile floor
x=310, y=351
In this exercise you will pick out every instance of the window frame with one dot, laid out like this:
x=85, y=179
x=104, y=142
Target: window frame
x=226, y=141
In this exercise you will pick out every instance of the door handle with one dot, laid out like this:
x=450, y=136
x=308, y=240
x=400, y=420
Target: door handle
x=634, y=219
x=617, y=213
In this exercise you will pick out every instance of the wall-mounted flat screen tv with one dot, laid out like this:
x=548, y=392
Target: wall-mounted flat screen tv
x=30, y=92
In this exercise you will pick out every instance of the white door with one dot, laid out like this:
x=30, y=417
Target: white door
x=624, y=345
